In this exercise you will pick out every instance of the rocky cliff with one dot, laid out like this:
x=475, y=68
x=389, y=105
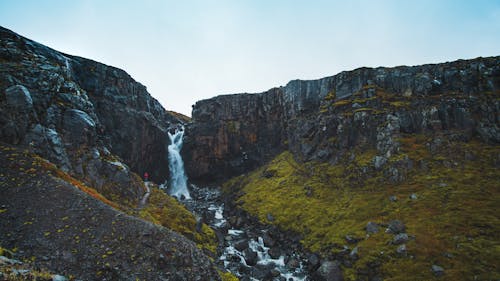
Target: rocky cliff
x=322, y=119
x=74, y=134
x=55, y=102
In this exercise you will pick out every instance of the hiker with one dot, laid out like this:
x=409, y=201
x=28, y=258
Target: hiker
x=146, y=176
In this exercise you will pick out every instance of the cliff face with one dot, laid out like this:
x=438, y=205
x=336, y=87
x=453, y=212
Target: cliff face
x=74, y=111
x=231, y=134
x=100, y=128
x=323, y=119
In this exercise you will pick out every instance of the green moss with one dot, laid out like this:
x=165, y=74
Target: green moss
x=457, y=210
x=166, y=211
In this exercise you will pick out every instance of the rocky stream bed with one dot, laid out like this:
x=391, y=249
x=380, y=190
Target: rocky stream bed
x=248, y=249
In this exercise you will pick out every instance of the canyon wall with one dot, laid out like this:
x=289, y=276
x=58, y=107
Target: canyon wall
x=322, y=119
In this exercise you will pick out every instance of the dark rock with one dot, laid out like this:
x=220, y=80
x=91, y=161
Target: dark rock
x=372, y=227
x=274, y=252
x=251, y=257
x=241, y=132
x=393, y=198
x=313, y=262
x=268, y=240
x=19, y=98
x=293, y=263
x=329, y=271
x=241, y=245
x=275, y=273
x=400, y=238
x=395, y=227
x=437, y=270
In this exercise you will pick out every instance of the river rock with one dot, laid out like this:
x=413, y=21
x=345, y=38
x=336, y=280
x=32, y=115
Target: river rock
x=268, y=240
x=274, y=252
x=241, y=245
x=251, y=257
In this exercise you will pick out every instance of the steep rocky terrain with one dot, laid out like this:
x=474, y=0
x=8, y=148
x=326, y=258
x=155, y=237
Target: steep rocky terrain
x=324, y=119
x=49, y=219
x=74, y=133
x=385, y=173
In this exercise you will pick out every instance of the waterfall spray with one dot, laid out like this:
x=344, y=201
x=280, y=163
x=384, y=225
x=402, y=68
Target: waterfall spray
x=178, y=179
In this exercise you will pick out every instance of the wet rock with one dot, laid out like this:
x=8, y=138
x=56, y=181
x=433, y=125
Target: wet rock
x=395, y=227
x=293, y=263
x=372, y=227
x=437, y=270
x=329, y=271
x=251, y=257
x=268, y=240
x=313, y=262
x=274, y=252
x=275, y=273
x=400, y=239
x=241, y=245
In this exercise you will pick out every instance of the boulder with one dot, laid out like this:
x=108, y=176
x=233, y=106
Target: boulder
x=372, y=227
x=395, y=227
x=19, y=98
x=437, y=270
x=400, y=239
x=329, y=271
x=241, y=245
x=251, y=257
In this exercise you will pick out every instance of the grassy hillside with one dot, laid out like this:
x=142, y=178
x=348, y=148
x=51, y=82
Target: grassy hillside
x=452, y=219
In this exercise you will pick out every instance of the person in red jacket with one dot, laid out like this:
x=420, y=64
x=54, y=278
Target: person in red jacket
x=146, y=176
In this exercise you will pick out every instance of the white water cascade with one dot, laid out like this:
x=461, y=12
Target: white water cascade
x=178, y=179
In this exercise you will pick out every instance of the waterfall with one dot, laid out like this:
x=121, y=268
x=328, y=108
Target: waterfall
x=178, y=179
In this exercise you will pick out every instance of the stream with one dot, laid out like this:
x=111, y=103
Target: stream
x=248, y=251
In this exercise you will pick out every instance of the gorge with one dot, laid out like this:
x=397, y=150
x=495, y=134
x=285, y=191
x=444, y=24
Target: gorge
x=370, y=174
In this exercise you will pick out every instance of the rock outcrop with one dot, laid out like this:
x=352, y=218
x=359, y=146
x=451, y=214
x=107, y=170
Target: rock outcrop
x=323, y=119
x=86, y=117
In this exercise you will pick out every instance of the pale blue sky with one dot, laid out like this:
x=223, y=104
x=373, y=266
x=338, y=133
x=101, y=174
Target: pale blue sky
x=184, y=51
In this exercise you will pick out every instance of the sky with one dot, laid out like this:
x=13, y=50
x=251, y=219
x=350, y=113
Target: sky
x=185, y=51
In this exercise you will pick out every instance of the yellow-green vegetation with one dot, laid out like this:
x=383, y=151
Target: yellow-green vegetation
x=455, y=219
x=166, y=211
x=10, y=271
x=227, y=276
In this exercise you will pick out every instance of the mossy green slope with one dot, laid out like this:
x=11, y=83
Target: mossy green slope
x=455, y=218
